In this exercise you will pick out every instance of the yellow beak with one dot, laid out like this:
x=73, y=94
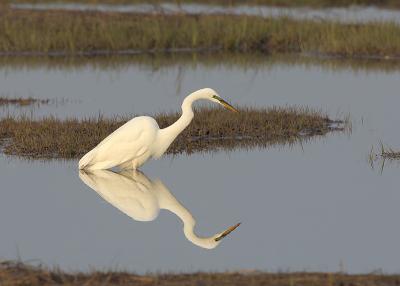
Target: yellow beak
x=228, y=106
x=228, y=231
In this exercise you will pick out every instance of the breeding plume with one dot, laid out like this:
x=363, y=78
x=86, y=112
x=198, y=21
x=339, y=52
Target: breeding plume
x=140, y=139
x=141, y=199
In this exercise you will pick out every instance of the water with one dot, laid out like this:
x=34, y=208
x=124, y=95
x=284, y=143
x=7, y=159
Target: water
x=357, y=14
x=318, y=206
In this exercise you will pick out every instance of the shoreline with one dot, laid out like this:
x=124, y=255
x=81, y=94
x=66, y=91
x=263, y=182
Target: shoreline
x=168, y=52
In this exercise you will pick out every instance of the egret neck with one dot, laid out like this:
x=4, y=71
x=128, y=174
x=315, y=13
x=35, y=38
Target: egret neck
x=167, y=135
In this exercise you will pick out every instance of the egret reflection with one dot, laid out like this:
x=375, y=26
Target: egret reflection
x=141, y=199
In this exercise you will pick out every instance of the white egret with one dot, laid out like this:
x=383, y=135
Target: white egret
x=141, y=199
x=140, y=139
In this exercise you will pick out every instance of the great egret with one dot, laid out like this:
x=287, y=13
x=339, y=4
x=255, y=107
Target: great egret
x=140, y=139
x=141, y=199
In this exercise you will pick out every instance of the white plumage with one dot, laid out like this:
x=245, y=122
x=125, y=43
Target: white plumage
x=142, y=199
x=140, y=139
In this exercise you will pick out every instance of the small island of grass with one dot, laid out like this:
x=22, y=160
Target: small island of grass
x=211, y=129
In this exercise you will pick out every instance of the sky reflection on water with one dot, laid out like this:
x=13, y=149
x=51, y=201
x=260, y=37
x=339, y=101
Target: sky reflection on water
x=313, y=206
x=141, y=199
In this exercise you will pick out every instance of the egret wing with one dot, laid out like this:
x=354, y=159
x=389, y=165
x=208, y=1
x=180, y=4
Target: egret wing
x=132, y=195
x=131, y=140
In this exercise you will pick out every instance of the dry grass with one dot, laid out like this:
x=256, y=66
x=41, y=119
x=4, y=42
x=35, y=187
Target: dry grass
x=211, y=129
x=22, y=101
x=62, y=32
x=13, y=273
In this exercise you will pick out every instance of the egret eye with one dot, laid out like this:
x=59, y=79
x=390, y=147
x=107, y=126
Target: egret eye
x=216, y=97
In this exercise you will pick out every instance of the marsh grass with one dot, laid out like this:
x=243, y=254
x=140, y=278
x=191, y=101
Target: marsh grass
x=22, y=101
x=210, y=130
x=90, y=33
x=18, y=273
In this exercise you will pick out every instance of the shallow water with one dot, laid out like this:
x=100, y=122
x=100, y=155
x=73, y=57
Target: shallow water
x=357, y=14
x=318, y=206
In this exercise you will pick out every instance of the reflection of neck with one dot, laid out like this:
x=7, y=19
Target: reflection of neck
x=189, y=222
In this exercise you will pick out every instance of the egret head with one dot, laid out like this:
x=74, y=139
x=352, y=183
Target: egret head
x=212, y=95
x=206, y=242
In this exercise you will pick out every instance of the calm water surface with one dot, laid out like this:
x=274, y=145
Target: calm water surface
x=318, y=206
x=352, y=14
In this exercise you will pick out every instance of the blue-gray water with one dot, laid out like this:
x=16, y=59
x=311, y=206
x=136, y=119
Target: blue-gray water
x=318, y=206
x=357, y=14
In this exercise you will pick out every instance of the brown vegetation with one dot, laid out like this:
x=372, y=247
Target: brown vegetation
x=13, y=273
x=22, y=101
x=211, y=129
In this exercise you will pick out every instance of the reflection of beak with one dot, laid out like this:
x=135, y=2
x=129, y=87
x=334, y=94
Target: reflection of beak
x=227, y=105
x=228, y=231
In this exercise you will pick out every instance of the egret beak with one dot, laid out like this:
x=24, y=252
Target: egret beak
x=227, y=105
x=228, y=231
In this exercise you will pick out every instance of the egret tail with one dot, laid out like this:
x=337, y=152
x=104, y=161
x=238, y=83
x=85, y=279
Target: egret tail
x=85, y=160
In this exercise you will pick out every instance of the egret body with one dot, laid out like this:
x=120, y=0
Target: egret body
x=140, y=139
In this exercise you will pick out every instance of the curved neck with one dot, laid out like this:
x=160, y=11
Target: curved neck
x=168, y=134
x=186, y=117
x=174, y=206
